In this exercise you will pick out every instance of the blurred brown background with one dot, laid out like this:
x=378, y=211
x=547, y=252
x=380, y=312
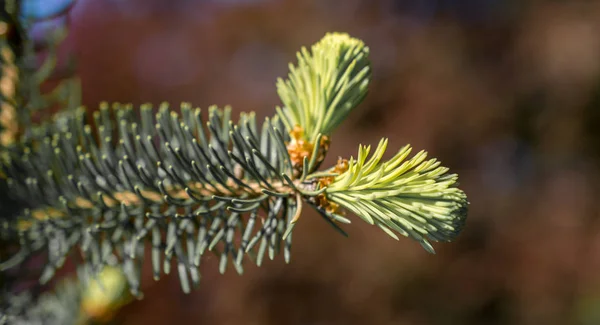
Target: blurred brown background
x=505, y=93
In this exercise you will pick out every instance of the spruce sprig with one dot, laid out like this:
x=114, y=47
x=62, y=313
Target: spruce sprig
x=414, y=197
x=108, y=188
x=321, y=90
x=201, y=183
x=328, y=82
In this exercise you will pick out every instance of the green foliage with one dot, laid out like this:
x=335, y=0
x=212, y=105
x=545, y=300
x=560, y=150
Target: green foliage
x=325, y=86
x=165, y=175
x=414, y=197
x=109, y=187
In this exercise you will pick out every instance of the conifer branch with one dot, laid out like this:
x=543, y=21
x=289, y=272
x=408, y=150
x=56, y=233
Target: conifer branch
x=328, y=82
x=414, y=197
x=107, y=187
x=199, y=182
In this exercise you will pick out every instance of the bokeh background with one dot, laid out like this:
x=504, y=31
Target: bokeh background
x=505, y=93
